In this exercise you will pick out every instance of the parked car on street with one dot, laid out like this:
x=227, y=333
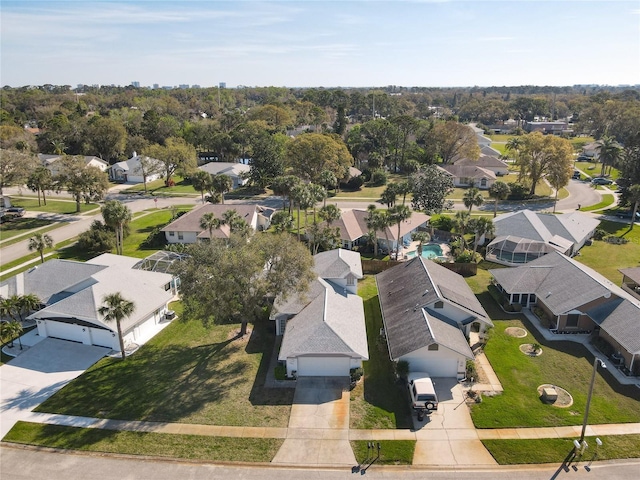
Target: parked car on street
x=423, y=394
x=628, y=215
x=15, y=211
x=601, y=181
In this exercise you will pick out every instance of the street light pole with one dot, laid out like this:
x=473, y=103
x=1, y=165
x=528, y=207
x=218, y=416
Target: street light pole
x=596, y=360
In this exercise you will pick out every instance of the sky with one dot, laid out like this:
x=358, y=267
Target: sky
x=314, y=43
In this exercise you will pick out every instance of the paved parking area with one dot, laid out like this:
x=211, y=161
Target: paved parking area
x=32, y=377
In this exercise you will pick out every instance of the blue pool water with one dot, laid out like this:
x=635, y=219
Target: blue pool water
x=428, y=251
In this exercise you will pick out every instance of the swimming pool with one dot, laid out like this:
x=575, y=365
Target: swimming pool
x=431, y=250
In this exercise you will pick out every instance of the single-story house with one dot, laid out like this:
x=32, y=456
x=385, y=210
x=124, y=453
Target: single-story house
x=631, y=281
x=352, y=225
x=489, y=151
x=72, y=292
x=428, y=313
x=131, y=171
x=487, y=162
x=591, y=150
x=554, y=128
x=49, y=161
x=187, y=229
x=526, y=235
x=470, y=176
x=576, y=299
x=237, y=171
x=323, y=330
x=482, y=140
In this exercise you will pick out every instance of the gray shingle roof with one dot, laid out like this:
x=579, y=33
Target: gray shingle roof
x=403, y=292
x=332, y=323
x=190, y=221
x=485, y=161
x=447, y=333
x=337, y=263
x=632, y=273
x=353, y=225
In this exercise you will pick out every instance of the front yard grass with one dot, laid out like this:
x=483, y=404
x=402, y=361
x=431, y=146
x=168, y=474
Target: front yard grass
x=378, y=401
x=607, y=258
x=187, y=373
x=392, y=452
x=193, y=447
x=20, y=226
x=556, y=450
x=566, y=364
x=53, y=206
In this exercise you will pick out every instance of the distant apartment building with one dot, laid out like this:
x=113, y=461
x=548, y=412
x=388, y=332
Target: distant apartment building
x=135, y=84
x=222, y=85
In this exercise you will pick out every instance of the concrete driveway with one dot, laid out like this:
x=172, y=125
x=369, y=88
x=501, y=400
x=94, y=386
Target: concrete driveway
x=318, y=432
x=38, y=373
x=447, y=436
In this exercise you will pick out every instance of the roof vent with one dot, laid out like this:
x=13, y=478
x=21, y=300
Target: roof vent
x=548, y=295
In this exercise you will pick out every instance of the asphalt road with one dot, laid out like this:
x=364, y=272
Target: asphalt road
x=22, y=464
x=581, y=193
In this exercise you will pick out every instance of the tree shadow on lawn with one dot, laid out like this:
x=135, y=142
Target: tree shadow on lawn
x=262, y=341
x=168, y=384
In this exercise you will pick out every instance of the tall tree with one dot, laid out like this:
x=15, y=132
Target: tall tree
x=176, y=155
x=541, y=153
x=399, y=214
x=201, y=182
x=421, y=237
x=220, y=184
x=83, y=182
x=116, y=216
x=498, y=191
x=430, y=187
x=634, y=198
x=303, y=199
x=149, y=166
x=310, y=154
x=455, y=140
x=40, y=181
x=116, y=308
x=40, y=242
x=209, y=222
x=472, y=197
x=283, y=187
x=15, y=167
x=222, y=283
x=558, y=176
x=480, y=226
x=610, y=152
x=107, y=138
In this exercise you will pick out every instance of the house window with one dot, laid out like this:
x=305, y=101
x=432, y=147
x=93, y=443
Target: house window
x=572, y=319
x=515, y=298
x=483, y=182
x=180, y=236
x=351, y=280
x=438, y=305
x=433, y=347
x=172, y=234
x=532, y=298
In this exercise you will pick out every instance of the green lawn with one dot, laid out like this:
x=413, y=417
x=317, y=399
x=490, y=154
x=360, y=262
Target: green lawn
x=379, y=400
x=20, y=226
x=157, y=187
x=187, y=373
x=53, y=206
x=193, y=447
x=595, y=168
x=607, y=258
x=556, y=450
x=392, y=452
x=140, y=228
x=607, y=201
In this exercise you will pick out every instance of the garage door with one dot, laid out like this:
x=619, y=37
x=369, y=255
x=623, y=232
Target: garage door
x=103, y=338
x=323, y=366
x=436, y=367
x=65, y=331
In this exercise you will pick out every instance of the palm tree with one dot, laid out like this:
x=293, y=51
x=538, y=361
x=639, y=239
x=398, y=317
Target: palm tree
x=480, y=226
x=209, y=222
x=399, y=214
x=221, y=184
x=499, y=191
x=282, y=221
x=40, y=242
x=373, y=224
x=27, y=303
x=236, y=223
x=610, y=152
x=201, y=181
x=116, y=308
x=422, y=238
x=329, y=213
x=8, y=307
x=634, y=198
x=318, y=194
x=116, y=215
x=301, y=196
x=461, y=225
x=14, y=330
x=472, y=197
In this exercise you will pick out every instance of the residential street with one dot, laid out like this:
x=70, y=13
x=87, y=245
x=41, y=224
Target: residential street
x=21, y=464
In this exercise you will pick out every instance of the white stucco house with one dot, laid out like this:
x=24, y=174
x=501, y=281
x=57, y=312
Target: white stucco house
x=50, y=162
x=187, y=229
x=323, y=330
x=72, y=292
x=132, y=170
x=237, y=171
x=488, y=162
x=470, y=175
x=428, y=312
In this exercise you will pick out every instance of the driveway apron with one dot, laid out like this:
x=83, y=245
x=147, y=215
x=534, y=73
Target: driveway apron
x=38, y=373
x=447, y=436
x=318, y=432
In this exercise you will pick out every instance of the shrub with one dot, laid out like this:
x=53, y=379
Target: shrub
x=155, y=239
x=355, y=183
x=470, y=370
x=615, y=240
x=518, y=191
x=378, y=178
x=98, y=239
x=356, y=374
x=280, y=372
x=442, y=222
x=599, y=234
x=402, y=369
